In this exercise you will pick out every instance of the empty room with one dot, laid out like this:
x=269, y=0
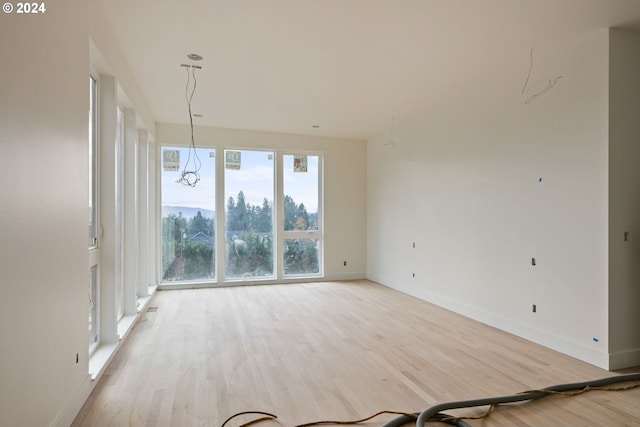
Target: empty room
x=320, y=212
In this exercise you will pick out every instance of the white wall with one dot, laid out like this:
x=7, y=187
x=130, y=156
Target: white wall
x=44, y=102
x=462, y=182
x=108, y=59
x=344, y=186
x=624, y=199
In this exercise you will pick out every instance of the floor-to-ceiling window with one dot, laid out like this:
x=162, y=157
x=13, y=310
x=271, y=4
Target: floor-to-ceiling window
x=269, y=213
x=249, y=191
x=188, y=216
x=302, y=220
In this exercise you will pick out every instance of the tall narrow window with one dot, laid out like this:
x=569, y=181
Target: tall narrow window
x=302, y=250
x=94, y=308
x=249, y=191
x=93, y=163
x=119, y=215
x=188, y=217
x=94, y=254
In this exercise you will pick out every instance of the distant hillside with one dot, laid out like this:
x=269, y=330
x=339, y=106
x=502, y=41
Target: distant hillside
x=187, y=212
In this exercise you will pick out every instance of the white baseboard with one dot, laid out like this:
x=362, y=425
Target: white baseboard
x=564, y=345
x=345, y=276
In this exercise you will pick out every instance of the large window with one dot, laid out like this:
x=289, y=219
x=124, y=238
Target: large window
x=118, y=192
x=302, y=237
x=269, y=215
x=188, y=216
x=249, y=190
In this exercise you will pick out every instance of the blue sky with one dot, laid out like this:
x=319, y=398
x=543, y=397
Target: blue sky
x=255, y=178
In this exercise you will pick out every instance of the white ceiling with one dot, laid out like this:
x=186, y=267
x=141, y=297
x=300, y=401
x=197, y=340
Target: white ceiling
x=348, y=66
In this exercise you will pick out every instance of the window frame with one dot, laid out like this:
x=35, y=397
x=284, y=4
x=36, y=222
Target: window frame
x=160, y=220
x=94, y=171
x=274, y=215
x=303, y=234
x=119, y=219
x=220, y=202
x=94, y=196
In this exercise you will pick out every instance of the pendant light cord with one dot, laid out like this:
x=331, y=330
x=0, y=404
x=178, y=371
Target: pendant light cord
x=190, y=177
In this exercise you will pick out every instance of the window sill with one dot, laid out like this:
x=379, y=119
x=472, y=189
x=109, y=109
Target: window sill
x=101, y=358
x=104, y=353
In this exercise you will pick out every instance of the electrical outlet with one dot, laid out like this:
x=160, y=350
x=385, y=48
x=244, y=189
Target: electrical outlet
x=534, y=308
x=414, y=275
x=345, y=263
x=77, y=358
x=533, y=261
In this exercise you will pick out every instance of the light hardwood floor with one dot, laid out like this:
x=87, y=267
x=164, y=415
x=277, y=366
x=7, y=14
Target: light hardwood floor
x=337, y=350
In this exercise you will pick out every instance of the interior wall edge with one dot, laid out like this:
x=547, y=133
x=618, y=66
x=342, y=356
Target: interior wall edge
x=74, y=405
x=624, y=359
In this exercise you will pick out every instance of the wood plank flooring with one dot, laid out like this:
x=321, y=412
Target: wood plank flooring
x=336, y=350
